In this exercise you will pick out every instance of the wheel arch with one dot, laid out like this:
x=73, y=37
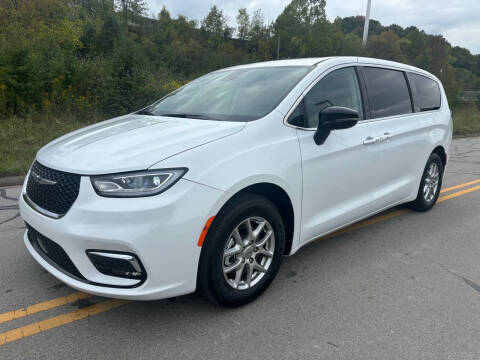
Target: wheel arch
x=283, y=203
x=440, y=151
x=280, y=198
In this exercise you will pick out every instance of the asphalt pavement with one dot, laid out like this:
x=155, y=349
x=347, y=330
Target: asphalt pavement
x=401, y=285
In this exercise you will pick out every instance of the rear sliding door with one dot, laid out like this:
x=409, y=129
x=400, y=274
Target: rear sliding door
x=403, y=133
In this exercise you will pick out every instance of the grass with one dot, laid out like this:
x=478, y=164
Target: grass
x=466, y=120
x=22, y=137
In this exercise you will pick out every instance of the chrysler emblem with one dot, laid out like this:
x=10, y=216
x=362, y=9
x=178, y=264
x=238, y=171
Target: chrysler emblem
x=41, y=180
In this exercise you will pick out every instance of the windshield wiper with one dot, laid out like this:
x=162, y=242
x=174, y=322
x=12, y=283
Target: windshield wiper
x=430, y=108
x=179, y=115
x=144, y=112
x=186, y=115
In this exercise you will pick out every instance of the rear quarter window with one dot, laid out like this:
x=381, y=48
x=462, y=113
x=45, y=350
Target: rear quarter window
x=427, y=92
x=388, y=92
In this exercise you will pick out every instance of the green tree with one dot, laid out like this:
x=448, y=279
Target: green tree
x=385, y=46
x=243, y=24
x=464, y=59
x=131, y=10
x=95, y=8
x=215, y=22
x=295, y=26
x=109, y=34
x=397, y=29
x=105, y=56
x=88, y=39
x=164, y=16
x=257, y=26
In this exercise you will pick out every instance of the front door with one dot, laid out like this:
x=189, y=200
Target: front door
x=339, y=176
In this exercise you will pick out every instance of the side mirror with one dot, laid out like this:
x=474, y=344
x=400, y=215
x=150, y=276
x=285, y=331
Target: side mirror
x=334, y=118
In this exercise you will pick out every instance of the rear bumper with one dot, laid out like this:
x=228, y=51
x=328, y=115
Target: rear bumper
x=162, y=231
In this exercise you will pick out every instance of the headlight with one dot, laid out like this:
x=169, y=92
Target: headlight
x=136, y=184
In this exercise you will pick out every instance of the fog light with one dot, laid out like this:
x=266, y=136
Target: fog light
x=124, y=265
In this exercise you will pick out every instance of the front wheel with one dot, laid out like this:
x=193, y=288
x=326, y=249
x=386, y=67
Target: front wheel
x=242, y=252
x=430, y=184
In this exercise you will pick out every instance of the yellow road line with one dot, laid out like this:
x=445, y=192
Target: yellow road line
x=460, y=186
x=365, y=223
x=458, y=193
x=43, y=306
x=399, y=212
x=60, y=320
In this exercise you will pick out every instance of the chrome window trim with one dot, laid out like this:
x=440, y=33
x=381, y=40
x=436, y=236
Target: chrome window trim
x=396, y=116
x=398, y=68
x=307, y=89
x=406, y=70
x=336, y=67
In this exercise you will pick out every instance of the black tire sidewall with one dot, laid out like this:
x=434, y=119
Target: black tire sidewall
x=211, y=261
x=421, y=203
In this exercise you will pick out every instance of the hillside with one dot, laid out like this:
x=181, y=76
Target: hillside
x=67, y=63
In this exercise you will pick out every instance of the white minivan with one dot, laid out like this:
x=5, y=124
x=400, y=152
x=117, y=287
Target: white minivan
x=209, y=187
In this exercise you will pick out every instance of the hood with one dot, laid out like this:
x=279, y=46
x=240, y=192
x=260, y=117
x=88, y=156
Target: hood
x=131, y=142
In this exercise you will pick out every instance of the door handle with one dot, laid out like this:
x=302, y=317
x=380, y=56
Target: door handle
x=385, y=136
x=370, y=140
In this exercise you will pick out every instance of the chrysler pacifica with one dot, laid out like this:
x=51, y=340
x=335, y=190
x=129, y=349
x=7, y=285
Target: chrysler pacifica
x=209, y=187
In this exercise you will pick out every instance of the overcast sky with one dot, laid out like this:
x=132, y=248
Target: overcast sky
x=458, y=21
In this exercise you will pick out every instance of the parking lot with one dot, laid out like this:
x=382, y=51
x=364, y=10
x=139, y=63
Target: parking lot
x=400, y=285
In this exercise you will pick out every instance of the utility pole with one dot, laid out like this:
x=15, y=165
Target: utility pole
x=367, y=20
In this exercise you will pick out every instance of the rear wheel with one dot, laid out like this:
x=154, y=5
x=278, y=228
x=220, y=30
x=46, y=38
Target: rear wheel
x=430, y=184
x=242, y=252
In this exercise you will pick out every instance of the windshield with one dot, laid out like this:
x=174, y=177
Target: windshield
x=231, y=95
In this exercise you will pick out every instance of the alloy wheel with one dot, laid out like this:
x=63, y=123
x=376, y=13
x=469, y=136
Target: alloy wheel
x=248, y=253
x=430, y=185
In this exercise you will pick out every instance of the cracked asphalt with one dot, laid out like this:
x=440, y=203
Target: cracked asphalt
x=407, y=287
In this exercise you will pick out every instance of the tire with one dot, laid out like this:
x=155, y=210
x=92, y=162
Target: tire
x=426, y=200
x=231, y=289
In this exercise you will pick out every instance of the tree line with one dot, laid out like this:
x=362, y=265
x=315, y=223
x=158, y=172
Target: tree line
x=106, y=57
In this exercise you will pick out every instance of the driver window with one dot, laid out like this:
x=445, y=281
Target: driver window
x=339, y=88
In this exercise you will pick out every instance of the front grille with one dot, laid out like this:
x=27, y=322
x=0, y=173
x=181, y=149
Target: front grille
x=52, y=190
x=53, y=253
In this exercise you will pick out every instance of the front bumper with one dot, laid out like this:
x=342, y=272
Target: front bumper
x=161, y=230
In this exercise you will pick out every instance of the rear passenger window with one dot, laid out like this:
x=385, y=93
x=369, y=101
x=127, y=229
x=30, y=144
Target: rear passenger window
x=427, y=92
x=388, y=92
